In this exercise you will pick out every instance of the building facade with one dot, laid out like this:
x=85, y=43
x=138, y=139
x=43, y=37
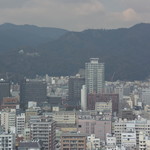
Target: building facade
x=9, y=102
x=32, y=90
x=20, y=124
x=94, y=76
x=111, y=142
x=144, y=141
x=7, y=141
x=44, y=131
x=4, y=90
x=73, y=141
x=94, y=125
x=122, y=126
x=93, y=98
x=93, y=142
x=64, y=118
x=75, y=85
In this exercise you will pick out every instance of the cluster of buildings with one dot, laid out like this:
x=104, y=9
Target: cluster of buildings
x=82, y=112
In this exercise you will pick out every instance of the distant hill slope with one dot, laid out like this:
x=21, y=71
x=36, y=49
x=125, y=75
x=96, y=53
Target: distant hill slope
x=126, y=53
x=22, y=36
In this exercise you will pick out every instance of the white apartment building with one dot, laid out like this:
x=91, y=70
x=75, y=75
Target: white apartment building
x=139, y=125
x=8, y=120
x=147, y=108
x=128, y=139
x=26, y=134
x=32, y=104
x=111, y=142
x=7, y=141
x=64, y=117
x=4, y=120
x=128, y=100
x=20, y=124
x=144, y=141
x=93, y=142
x=146, y=96
x=12, y=121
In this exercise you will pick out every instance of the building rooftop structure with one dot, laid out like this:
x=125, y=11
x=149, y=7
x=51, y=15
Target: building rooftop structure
x=25, y=145
x=139, y=120
x=73, y=134
x=107, y=115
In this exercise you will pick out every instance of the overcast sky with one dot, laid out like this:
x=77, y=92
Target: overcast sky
x=75, y=15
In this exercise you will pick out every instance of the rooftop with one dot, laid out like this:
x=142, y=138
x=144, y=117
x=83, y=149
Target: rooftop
x=74, y=134
x=30, y=144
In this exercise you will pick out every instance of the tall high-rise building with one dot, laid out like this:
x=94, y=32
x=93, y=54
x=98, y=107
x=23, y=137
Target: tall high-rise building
x=32, y=90
x=4, y=89
x=75, y=86
x=94, y=76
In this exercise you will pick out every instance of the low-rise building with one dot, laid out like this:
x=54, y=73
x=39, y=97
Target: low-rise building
x=9, y=102
x=93, y=142
x=26, y=134
x=140, y=125
x=98, y=125
x=128, y=139
x=111, y=142
x=30, y=145
x=30, y=112
x=7, y=141
x=70, y=141
x=144, y=141
x=65, y=117
x=103, y=106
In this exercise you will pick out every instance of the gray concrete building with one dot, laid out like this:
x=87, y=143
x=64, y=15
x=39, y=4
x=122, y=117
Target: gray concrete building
x=32, y=90
x=44, y=130
x=94, y=76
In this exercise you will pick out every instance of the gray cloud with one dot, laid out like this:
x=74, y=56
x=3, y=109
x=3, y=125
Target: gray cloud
x=75, y=14
x=12, y=3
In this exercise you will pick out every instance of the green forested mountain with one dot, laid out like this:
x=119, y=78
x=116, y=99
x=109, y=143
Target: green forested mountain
x=125, y=51
x=22, y=36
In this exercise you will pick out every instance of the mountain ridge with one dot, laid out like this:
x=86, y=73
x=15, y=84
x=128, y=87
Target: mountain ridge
x=125, y=51
x=19, y=36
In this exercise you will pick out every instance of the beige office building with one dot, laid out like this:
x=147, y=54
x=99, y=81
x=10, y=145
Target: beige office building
x=73, y=141
x=64, y=117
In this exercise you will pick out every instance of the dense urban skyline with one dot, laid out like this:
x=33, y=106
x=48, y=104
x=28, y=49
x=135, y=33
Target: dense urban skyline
x=63, y=90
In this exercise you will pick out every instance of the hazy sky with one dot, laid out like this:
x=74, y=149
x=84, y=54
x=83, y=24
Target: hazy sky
x=75, y=14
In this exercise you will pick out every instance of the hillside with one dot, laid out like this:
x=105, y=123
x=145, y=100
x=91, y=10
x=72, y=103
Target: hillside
x=23, y=36
x=125, y=51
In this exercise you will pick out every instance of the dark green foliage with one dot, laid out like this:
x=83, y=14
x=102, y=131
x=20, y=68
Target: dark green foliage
x=22, y=36
x=126, y=53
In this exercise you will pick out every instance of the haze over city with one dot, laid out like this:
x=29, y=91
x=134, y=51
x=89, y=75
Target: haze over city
x=75, y=74
x=75, y=15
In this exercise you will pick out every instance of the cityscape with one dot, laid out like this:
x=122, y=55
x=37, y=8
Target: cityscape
x=74, y=74
x=80, y=112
